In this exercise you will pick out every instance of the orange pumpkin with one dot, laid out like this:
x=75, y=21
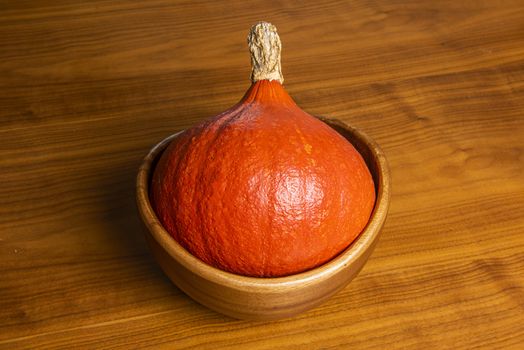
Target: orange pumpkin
x=263, y=189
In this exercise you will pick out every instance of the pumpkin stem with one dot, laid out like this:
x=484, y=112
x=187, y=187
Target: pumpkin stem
x=264, y=45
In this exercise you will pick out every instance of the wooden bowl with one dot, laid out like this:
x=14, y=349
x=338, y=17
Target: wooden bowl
x=265, y=298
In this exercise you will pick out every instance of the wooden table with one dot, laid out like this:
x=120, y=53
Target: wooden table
x=87, y=87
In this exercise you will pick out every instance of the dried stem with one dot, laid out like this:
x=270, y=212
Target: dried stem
x=264, y=45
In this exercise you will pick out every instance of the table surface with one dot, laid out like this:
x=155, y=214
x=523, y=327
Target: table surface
x=87, y=87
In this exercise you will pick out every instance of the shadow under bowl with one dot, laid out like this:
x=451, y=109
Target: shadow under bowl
x=265, y=298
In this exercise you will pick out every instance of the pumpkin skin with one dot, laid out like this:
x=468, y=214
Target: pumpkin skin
x=263, y=189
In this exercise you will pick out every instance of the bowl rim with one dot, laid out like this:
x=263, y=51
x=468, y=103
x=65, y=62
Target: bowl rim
x=267, y=284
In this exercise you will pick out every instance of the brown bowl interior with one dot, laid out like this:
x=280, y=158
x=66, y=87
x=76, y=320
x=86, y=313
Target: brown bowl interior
x=265, y=298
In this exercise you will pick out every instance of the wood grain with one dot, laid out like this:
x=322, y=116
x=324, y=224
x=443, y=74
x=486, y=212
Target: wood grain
x=88, y=87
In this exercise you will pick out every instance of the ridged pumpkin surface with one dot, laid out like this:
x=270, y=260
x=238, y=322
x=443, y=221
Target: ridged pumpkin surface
x=263, y=189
